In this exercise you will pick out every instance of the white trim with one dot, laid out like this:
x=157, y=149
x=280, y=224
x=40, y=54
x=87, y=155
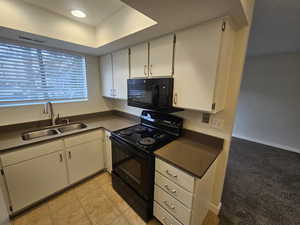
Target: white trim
x=284, y=147
x=215, y=208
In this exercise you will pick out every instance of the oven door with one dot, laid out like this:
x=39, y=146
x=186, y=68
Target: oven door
x=154, y=93
x=134, y=167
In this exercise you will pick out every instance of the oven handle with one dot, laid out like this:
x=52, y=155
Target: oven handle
x=127, y=147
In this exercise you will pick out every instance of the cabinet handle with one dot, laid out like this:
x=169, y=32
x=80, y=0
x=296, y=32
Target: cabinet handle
x=175, y=99
x=61, y=157
x=170, y=190
x=70, y=155
x=169, y=205
x=170, y=174
x=166, y=221
x=145, y=67
x=150, y=69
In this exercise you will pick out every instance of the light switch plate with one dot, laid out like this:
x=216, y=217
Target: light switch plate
x=217, y=123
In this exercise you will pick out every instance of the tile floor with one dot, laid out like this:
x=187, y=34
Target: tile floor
x=93, y=202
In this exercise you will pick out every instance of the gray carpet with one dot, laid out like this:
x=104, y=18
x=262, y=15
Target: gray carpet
x=262, y=186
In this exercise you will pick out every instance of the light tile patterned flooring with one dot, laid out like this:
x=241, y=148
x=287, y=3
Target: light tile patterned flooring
x=93, y=202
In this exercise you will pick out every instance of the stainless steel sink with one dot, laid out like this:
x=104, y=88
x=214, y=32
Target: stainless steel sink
x=71, y=127
x=39, y=133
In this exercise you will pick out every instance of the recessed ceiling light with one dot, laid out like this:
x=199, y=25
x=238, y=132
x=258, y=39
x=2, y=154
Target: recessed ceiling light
x=78, y=13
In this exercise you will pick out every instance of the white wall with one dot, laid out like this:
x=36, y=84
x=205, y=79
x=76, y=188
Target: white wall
x=269, y=106
x=96, y=103
x=21, y=16
x=124, y=22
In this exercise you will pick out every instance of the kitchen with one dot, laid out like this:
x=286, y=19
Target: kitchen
x=153, y=107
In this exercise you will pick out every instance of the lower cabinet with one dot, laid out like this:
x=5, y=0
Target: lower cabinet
x=43, y=176
x=180, y=198
x=84, y=160
x=107, y=152
x=49, y=167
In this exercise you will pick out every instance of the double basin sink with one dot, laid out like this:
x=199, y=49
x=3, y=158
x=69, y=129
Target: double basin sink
x=49, y=131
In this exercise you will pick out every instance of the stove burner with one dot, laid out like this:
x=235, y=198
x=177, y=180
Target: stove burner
x=159, y=136
x=140, y=129
x=125, y=132
x=147, y=141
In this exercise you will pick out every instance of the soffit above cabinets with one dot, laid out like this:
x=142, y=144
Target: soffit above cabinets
x=123, y=23
x=96, y=10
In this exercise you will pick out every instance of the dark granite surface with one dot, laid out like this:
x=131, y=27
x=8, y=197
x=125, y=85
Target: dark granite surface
x=193, y=152
x=262, y=186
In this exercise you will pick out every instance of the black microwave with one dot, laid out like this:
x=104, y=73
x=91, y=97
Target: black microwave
x=153, y=93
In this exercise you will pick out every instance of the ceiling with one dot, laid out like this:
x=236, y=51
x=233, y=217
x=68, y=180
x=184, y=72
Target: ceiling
x=275, y=27
x=96, y=10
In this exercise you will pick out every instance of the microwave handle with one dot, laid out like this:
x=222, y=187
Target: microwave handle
x=175, y=99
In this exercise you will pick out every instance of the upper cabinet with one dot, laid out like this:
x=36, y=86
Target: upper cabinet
x=120, y=73
x=139, y=60
x=161, y=56
x=202, y=65
x=106, y=75
x=114, y=74
x=152, y=59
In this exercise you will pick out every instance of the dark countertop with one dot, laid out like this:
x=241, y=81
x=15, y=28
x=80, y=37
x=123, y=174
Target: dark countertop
x=193, y=152
x=12, y=139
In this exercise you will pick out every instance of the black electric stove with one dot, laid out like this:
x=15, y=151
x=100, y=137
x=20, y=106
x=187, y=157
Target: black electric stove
x=133, y=159
x=145, y=138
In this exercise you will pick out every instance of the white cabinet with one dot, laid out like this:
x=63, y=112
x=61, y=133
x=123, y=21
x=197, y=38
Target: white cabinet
x=120, y=73
x=139, y=60
x=43, y=176
x=50, y=167
x=161, y=56
x=108, y=153
x=114, y=69
x=106, y=70
x=84, y=160
x=180, y=198
x=202, y=65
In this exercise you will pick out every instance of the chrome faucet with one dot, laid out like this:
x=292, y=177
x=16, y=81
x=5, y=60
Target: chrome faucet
x=49, y=107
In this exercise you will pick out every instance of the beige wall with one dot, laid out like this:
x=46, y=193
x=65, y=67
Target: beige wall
x=192, y=119
x=96, y=103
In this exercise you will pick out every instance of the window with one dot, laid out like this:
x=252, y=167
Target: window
x=31, y=75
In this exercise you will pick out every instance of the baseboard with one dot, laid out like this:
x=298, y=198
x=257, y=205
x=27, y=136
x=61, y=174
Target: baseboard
x=215, y=208
x=283, y=147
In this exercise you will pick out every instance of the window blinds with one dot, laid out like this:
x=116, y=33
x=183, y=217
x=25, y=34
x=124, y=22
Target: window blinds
x=31, y=75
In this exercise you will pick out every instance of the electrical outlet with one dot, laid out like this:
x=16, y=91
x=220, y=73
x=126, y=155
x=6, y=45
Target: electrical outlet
x=217, y=123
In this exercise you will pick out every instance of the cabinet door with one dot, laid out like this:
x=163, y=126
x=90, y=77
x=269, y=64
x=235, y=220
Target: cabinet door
x=34, y=179
x=139, y=60
x=84, y=160
x=161, y=56
x=120, y=73
x=196, y=63
x=106, y=75
x=108, y=153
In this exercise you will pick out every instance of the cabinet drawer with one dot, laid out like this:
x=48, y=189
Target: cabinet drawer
x=30, y=152
x=163, y=216
x=173, y=206
x=176, y=175
x=174, y=190
x=82, y=138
